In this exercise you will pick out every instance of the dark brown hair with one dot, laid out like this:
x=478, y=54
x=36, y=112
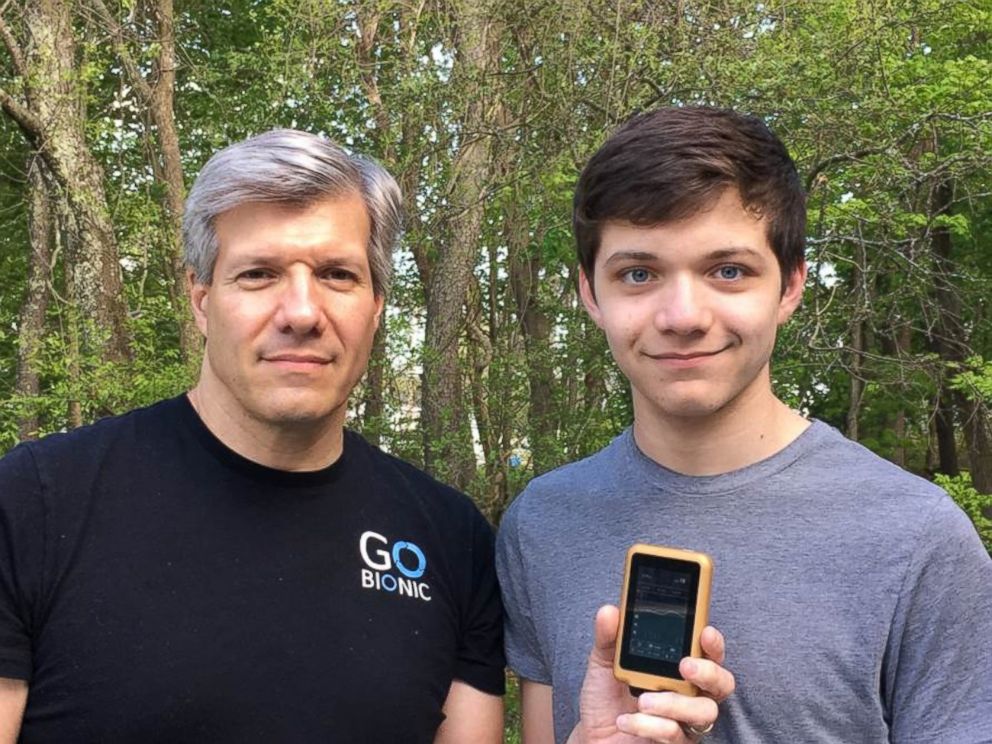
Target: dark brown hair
x=672, y=163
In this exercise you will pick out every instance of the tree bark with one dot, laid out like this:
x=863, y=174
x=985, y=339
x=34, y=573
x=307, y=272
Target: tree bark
x=947, y=448
x=536, y=327
x=978, y=438
x=373, y=392
x=448, y=447
x=161, y=107
x=51, y=118
x=948, y=337
x=158, y=96
x=31, y=320
x=480, y=353
x=897, y=346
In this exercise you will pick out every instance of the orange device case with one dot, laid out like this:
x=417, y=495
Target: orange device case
x=652, y=682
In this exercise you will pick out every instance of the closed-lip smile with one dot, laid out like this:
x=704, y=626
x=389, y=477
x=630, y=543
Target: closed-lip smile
x=291, y=358
x=685, y=356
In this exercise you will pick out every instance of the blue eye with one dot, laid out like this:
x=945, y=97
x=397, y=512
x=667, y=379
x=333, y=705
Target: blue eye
x=730, y=273
x=636, y=276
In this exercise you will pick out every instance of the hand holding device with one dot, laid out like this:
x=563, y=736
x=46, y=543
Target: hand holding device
x=673, y=585
x=610, y=715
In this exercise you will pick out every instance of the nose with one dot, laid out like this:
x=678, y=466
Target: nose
x=682, y=308
x=299, y=310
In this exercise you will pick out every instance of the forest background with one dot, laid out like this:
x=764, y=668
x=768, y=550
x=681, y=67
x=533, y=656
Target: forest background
x=487, y=371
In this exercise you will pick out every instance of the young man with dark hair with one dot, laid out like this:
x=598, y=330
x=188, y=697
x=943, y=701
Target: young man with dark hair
x=849, y=590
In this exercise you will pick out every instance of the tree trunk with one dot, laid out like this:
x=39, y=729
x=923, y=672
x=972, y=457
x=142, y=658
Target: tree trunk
x=536, y=327
x=856, y=385
x=171, y=177
x=373, y=395
x=948, y=337
x=64, y=235
x=31, y=320
x=896, y=346
x=861, y=302
x=480, y=353
x=448, y=449
x=373, y=398
x=947, y=448
x=158, y=97
x=978, y=438
x=51, y=118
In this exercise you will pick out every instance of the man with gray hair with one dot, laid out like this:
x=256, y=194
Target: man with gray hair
x=233, y=565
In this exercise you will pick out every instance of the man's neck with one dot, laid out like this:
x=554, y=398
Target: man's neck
x=744, y=433
x=295, y=447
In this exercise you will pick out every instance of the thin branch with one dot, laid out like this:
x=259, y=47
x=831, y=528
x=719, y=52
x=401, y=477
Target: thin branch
x=913, y=129
x=127, y=60
x=13, y=48
x=26, y=119
x=844, y=157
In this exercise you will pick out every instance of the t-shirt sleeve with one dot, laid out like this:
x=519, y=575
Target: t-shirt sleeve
x=21, y=559
x=937, y=682
x=481, y=662
x=523, y=648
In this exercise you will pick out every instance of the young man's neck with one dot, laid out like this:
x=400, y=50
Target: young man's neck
x=741, y=434
x=299, y=447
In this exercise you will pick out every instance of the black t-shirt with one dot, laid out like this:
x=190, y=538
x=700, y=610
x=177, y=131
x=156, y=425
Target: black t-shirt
x=157, y=587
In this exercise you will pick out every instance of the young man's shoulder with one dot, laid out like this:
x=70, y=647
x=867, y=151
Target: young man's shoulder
x=568, y=486
x=822, y=469
x=860, y=495
x=851, y=468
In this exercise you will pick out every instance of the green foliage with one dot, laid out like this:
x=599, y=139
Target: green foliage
x=978, y=506
x=511, y=728
x=973, y=378
x=879, y=102
x=99, y=387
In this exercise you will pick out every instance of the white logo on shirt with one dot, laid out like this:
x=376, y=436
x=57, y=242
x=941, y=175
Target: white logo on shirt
x=406, y=557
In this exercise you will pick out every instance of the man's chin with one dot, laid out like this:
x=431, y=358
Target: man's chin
x=291, y=412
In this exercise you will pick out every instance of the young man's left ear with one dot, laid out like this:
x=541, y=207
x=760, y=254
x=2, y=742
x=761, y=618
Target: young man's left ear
x=588, y=296
x=792, y=293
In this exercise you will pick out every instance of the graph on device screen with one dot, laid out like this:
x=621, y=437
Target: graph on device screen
x=659, y=614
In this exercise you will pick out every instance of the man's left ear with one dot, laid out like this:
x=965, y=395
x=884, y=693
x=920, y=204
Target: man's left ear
x=792, y=293
x=380, y=306
x=197, y=301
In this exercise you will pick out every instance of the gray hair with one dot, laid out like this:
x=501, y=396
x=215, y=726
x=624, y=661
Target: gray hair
x=291, y=167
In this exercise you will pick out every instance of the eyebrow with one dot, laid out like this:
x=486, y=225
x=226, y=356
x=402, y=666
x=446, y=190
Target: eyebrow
x=275, y=257
x=733, y=251
x=719, y=254
x=624, y=256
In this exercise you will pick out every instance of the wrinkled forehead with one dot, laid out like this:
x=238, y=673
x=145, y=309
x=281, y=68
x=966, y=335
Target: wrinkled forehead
x=336, y=225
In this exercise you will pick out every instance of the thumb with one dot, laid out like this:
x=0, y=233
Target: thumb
x=605, y=639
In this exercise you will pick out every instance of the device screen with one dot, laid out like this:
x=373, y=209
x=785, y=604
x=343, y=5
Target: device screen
x=661, y=608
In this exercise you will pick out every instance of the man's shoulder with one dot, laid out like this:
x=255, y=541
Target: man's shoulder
x=390, y=469
x=85, y=442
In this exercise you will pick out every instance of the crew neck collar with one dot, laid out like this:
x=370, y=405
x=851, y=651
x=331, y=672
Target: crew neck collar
x=659, y=475
x=256, y=471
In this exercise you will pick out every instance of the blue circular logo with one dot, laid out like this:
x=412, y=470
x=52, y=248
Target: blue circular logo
x=410, y=573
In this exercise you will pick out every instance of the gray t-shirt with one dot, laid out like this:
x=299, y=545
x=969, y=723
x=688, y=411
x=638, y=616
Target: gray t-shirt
x=856, y=599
